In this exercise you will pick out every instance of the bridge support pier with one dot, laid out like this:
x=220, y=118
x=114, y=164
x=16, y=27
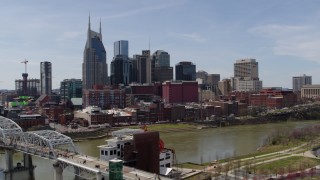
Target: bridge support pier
x=9, y=160
x=21, y=171
x=77, y=173
x=99, y=176
x=57, y=171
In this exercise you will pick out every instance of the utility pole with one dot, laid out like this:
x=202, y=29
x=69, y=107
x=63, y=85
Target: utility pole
x=25, y=64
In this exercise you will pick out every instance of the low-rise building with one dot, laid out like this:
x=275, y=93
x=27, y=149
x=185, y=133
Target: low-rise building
x=94, y=115
x=105, y=98
x=26, y=121
x=310, y=91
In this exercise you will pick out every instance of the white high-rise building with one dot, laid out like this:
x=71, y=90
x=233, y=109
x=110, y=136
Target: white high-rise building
x=246, y=76
x=246, y=68
x=299, y=81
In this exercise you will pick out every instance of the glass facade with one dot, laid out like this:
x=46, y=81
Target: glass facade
x=70, y=88
x=121, y=48
x=185, y=71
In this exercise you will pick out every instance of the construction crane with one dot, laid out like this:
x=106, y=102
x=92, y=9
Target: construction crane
x=25, y=65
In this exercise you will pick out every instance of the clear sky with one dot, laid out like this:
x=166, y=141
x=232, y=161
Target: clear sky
x=283, y=36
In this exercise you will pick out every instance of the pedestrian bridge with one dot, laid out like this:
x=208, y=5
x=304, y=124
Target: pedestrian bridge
x=46, y=143
x=55, y=146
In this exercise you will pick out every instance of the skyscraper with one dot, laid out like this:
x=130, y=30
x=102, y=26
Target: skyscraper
x=246, y=68
x=121, y=48
x=94, y=66
x=299, y=81
x=162, y=58
x=144, y=67
x=121, y=69
x=246, y=76
x=46, y=78
x=185, y=71
x=160, y=69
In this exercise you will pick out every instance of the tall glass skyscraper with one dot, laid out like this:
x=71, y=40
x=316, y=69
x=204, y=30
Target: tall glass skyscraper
x=94, y=66
x=121, y=48
x=185, y=71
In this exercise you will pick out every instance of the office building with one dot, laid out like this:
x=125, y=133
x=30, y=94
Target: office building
x=94, y=66
x=121, y=69
x=299, y=81
x=224, y=87
x=162, y=74
x=134, y=70
x=121, y=48
x=143, y=67
x=160, y=67
x=246, y=68
x=180, y=92
x=46, y=78
x=185, y=71
x=162, y=58
x=246, y=76
x=70, y=88
x=208, y=82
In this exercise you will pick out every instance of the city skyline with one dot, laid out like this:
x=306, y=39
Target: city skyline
x=281, y=36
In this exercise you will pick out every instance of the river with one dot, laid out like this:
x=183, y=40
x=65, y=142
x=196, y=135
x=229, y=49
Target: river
x=194, y=146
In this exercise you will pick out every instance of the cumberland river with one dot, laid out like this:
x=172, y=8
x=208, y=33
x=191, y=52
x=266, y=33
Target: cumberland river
x=196, y=146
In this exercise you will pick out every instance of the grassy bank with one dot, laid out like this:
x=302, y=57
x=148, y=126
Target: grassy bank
x=287, y=165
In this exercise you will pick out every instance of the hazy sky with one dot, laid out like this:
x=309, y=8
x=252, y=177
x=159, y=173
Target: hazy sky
x=283, y=36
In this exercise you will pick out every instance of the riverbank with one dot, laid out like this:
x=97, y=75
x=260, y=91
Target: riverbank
x=294, y=158
x=305, y=112
x=106, y=132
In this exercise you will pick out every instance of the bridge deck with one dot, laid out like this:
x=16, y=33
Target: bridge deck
x=96, y=165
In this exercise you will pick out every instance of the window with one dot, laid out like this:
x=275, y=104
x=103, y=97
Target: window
x=118, y=153
x=114, y=151
x=168, y=165
x=118, y=146
x=102, y=152
x=106, y=153
x=111, y=153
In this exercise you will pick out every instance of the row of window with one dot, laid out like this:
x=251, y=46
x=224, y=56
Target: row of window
x=112, y=152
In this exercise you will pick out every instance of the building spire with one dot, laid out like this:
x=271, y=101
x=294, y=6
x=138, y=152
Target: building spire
x=88, y=44
x=100, y=29
x=89, y=25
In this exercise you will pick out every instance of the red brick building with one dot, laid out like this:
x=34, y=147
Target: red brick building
x=154, y=89
x=173, y=113
x=106, y=98
x=180, y=92
x=273, y=98
x=26, y=121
